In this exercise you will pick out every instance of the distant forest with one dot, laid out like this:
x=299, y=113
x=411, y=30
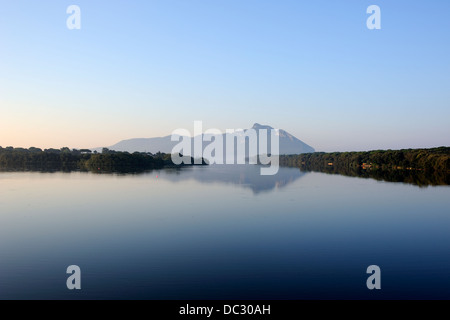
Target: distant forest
x=436, y=159
x=416, y=166
x=65, y=159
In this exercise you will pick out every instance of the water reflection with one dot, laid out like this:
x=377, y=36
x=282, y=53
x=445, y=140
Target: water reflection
x=419, y=178
x=194, y=233
x=246, y=176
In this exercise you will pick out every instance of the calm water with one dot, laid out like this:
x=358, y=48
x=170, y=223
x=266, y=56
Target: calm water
x=221, y=233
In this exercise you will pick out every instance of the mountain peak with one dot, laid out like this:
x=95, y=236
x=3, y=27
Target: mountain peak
x=258, y=126
x=288, y=144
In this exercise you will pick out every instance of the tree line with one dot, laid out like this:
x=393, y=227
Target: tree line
x=416, y=166
x=66, y=159
x=434, y=159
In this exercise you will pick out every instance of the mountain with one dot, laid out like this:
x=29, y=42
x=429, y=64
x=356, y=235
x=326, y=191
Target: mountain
x=153, y=145
x=288, y=144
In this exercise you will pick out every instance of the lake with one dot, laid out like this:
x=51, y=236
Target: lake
x=221, y=232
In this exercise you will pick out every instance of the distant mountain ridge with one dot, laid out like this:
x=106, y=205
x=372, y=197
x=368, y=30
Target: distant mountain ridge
x=288, y=144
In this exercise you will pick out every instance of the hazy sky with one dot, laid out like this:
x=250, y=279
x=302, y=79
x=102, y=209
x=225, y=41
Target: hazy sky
x=145, y=68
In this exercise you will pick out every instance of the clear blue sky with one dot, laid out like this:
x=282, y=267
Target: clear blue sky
x=145, y=68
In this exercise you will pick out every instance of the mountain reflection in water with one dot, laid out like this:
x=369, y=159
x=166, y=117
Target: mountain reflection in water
x=247, y=176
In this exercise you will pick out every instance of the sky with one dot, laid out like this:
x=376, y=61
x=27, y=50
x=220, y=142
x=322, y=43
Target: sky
x=140, y=69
